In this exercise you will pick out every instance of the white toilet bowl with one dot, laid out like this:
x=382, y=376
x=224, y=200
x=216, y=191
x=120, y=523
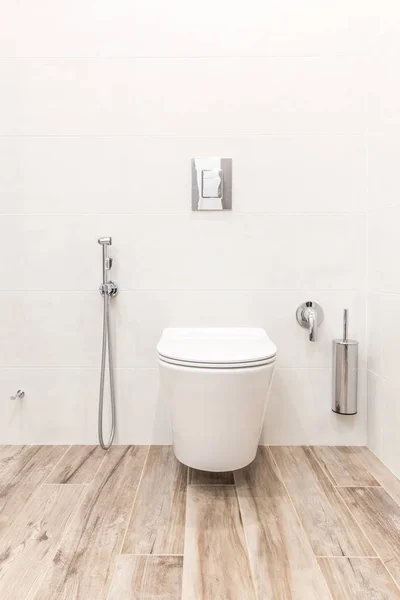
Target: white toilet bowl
x=216, y=384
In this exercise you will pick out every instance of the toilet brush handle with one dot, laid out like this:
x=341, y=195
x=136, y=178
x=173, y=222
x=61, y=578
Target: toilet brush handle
x=345, y=324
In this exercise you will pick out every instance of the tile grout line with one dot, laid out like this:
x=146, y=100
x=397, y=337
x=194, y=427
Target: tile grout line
x=143, y=580
x=353, y=517
x=55, y=466
x=299, y=520
x=37, y=488
x=130, y=554
x=246, y=548
x=189, y=469
x=365, y=467
x=351, y=557
x=389, y=494
x=228, y=485
x=324, y=468
x=256, y=596
x=344, y=487
x=135, y=498
x=186, y=519
x=335, y=489
x=65, y=485
x=383, y=486
x=366, y=536
x=84, y=487
x=181, y=57
x=119, y=554
x=168, y=136
x=336, y=492
x=384, y=377
x=141, y=290
x=98, y=468
x=214, y=485
x=372, y=545
x=83, y=483
x=330, y=476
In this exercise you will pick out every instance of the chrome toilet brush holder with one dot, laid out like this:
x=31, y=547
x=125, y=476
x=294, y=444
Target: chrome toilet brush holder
x=345, y=372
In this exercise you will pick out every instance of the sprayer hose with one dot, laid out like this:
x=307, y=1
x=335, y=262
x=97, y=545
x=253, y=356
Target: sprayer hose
x=107, y=345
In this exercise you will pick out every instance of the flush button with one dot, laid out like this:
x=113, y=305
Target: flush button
x=212, y=183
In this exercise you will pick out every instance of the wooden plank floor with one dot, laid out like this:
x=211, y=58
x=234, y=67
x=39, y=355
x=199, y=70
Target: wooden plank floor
x=299, y=523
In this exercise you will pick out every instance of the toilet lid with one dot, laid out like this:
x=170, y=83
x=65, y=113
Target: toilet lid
x=219, y=347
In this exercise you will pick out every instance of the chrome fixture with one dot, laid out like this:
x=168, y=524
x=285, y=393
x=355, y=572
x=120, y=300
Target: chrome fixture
x=310, y=316
x=18, y=394
x=108, y=289
x=345, y=372
x=211, y=183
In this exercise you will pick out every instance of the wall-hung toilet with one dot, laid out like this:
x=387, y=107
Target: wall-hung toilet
x=216, y=384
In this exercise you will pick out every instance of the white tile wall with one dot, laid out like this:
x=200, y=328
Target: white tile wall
x=384, y=419
x=193, y=251
x=300, y=409
x=383, y=178
x=101, y=109
x=129, y=174
x=197, y=97
x=376, y=407
x=383, y=249
x=383, y=335
x=383, y=246
x=154, y=28
x=64, y=328
x=61, y=406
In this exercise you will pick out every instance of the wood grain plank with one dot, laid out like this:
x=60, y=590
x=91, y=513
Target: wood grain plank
x=79, y=465
x=283, y=564
x=34, y=463
x=30, y=544
x=382, y=474
x=358, y=579
x=331, y=529
x=157, y=525
x=216, y=563
x=197, y=477
x=148, y=577
x=84, y=564
x=9, y=456
x=22, y=477
x=343, y=466
x=379, y=516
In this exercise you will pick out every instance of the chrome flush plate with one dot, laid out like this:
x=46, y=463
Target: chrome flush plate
x=211, y=183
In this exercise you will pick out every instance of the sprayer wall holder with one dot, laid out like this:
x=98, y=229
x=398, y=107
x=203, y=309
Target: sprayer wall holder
x=110, y=289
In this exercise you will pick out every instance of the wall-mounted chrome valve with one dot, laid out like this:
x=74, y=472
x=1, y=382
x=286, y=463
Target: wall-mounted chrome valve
x=18, y=394
x=310, y=316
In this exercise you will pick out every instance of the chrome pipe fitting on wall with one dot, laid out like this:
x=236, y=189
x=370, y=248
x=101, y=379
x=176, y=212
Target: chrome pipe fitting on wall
x=310, y=316
x=108, y=287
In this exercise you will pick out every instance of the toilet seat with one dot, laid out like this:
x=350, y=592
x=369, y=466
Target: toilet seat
x=200, y=365
x=217, y=348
